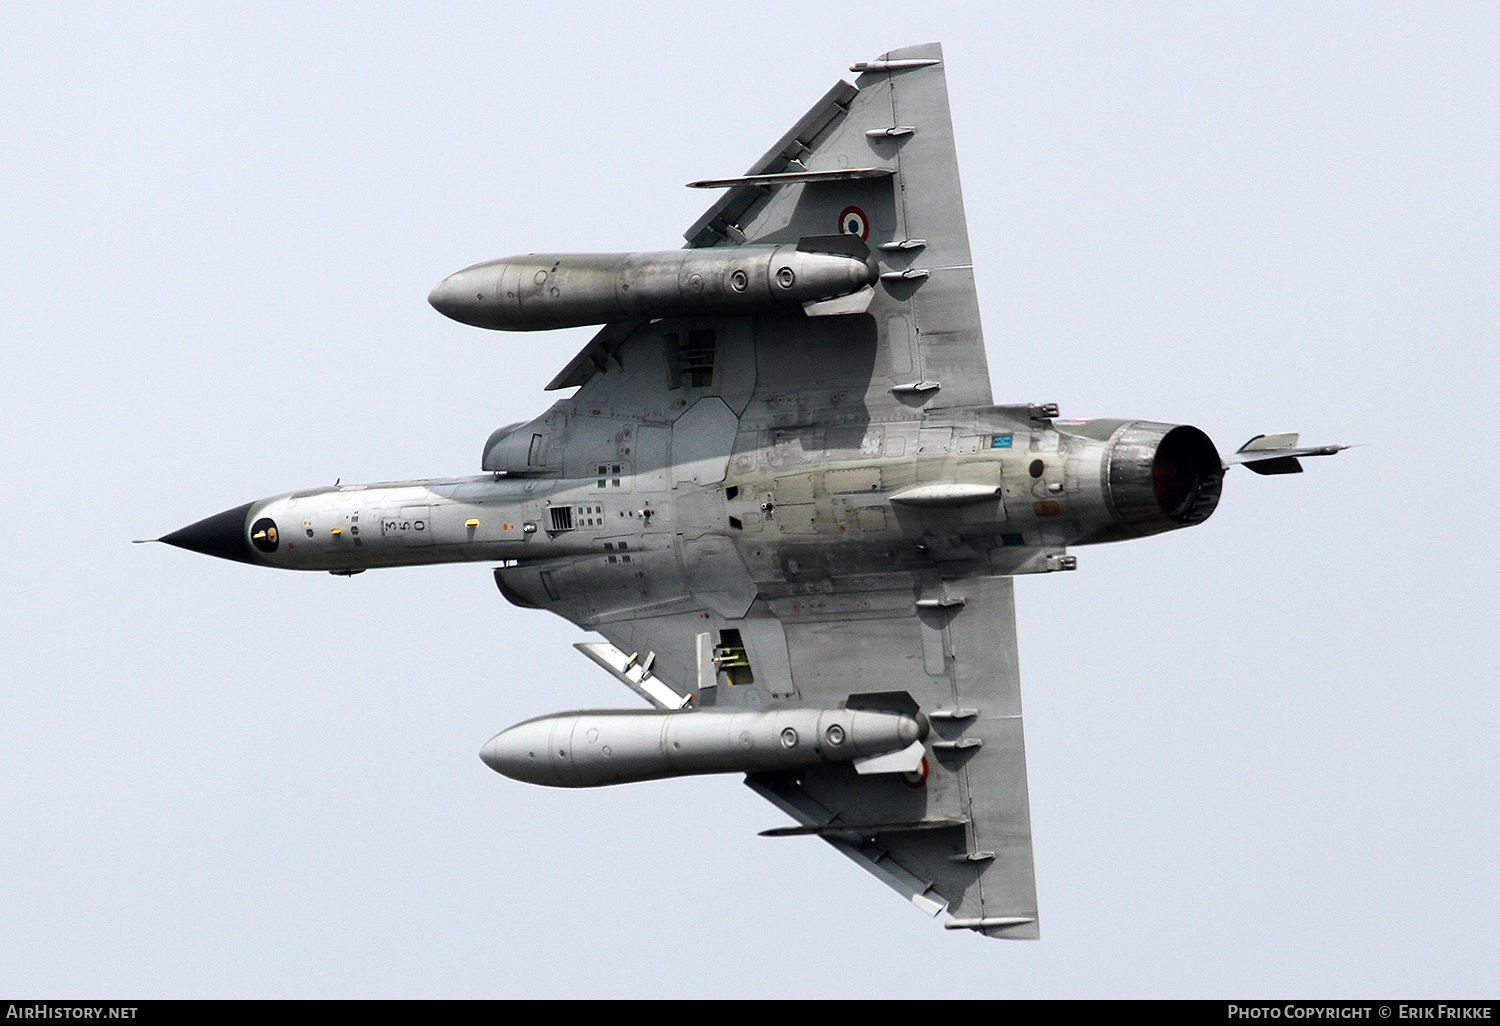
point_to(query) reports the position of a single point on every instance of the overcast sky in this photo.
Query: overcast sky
(1263, 752)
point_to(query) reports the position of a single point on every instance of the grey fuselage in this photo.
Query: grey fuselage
(648, 508)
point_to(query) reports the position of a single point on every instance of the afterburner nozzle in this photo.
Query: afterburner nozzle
(1161, 476)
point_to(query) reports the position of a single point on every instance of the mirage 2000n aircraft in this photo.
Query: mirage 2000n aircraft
(783, 495)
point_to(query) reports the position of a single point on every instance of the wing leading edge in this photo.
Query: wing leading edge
(877, 159)
(957, 834)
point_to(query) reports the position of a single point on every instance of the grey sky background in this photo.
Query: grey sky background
(1262, 752)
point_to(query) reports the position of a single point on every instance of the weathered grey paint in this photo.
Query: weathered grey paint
(766, 511)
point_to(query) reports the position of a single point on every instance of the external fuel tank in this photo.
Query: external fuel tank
(831, 274)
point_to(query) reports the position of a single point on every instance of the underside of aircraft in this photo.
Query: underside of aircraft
(783, 495)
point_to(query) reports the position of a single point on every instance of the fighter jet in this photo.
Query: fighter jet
(784, 497)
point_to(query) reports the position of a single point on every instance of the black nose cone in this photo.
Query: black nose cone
(222, 535)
